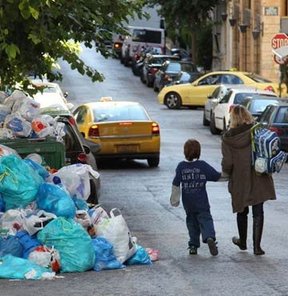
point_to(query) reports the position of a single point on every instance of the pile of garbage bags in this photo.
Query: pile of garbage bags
(20, 116)
(47, 227)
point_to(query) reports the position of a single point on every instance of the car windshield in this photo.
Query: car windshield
(282, 115)
(260, 105)
(119, 113)
(188, 68)
(257, 78)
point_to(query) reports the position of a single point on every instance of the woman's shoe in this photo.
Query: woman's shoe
(236, 241)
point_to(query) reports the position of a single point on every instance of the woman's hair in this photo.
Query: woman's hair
(239, 115)
(192, 149)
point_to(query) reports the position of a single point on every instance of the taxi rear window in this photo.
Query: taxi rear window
(119, 113)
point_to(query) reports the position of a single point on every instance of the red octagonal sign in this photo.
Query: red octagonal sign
(279, 40)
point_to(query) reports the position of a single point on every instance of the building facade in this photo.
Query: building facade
(243, 32)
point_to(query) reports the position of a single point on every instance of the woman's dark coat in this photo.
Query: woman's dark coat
(245, 187)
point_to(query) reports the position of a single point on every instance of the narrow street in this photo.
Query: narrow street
(142, 195)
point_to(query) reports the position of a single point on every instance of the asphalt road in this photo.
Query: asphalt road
(142, 194)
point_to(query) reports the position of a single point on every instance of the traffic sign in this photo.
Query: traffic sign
(279, 40)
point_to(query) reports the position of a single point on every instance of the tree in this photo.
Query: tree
(34, 34)
(186, 18)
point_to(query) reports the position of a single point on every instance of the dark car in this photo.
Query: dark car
(170, 71)
(257, 104)
(275, 118)
(151, 65)
(80, 150)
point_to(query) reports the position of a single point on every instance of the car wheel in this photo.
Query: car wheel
(213, 129)
(148, 83)
(205, 121)
(153, 162)
(173, 100)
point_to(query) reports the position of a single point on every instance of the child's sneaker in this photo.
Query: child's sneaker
(192, 250)
(212, 246)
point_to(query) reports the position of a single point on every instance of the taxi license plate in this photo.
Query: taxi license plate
(127, 148)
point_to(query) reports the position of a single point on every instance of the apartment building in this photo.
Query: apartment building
(243, 32)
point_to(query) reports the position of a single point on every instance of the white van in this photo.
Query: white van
(142, 38)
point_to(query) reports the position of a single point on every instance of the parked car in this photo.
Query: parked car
(257, 104)
(151, 65)
(51, 95)
(77, 148)
(123, 129)
(213, 100)
(181, 53)
(196, 93)
(275, 118)
(220, 116)
(170, 71)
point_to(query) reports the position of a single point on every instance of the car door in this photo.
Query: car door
(197, 92)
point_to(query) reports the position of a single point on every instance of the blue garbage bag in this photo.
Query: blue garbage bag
(140, 257)
(10, 245)
(18, 268)
(27, 242)
(104, 257)
(38, 168)
(19, 183)
(52, 198)
(72, 242)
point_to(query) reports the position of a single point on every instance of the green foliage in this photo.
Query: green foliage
(34, 34)
(186, 19)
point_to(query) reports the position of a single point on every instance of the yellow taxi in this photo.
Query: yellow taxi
(123, 129)
(196, 92)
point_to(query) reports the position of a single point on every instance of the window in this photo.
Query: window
(210, 80)
(119, 113)
(147, 36)
(80, 114)
(282, 115)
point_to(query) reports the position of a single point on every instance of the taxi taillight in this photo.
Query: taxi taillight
(93, 131)
(155, 129)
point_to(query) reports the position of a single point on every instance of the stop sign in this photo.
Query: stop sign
(279, 40)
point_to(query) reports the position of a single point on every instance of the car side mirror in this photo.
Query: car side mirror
(65, 94)
(210, 97)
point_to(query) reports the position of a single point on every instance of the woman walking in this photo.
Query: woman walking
(245, 186)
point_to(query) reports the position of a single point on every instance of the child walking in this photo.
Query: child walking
(192, 174)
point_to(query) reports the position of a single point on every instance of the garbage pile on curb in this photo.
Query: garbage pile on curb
(20, 116)
(45, 220)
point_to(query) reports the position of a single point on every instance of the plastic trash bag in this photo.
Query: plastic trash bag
(36, 221)
(116, 231)
(104, 257)
(46, 257)
(26, 107)
(5, 150)
(10, 245)
(37, 168)
(12, 221)
(75, 178)
(80, 204)
(19, 183)
(17, 95)
(28, 242)
(96, 214)
(52, 198)
(2, 204)
(43, 126)
(19, 126)
(12, 267)
(140, 257)
(6, 133)
(72, 242)
(4, 111)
